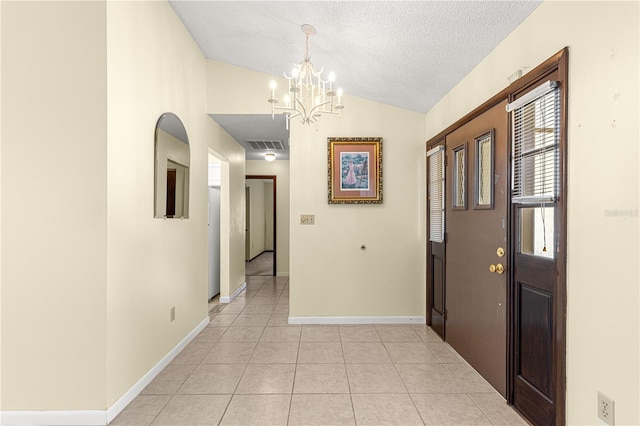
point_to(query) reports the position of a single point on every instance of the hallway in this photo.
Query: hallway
(249, 367)
(260, 265)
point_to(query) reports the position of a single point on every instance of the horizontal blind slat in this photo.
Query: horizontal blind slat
(535, 149)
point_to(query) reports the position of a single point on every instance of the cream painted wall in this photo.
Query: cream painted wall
(280, 169)
(242, 91)
(54, 212)
(603, 327)
(257, 217)
(153, 264)
(330, 275)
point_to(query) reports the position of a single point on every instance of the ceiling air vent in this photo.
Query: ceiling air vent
(260, 145)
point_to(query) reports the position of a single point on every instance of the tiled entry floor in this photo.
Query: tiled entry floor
(249, 367)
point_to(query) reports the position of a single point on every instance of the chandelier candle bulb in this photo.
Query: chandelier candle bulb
(272, 99)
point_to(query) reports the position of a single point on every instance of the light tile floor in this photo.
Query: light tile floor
(249, 367)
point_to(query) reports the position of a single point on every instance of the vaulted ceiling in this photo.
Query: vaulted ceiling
(403, 53)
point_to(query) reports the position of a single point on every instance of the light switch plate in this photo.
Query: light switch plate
(307, 219)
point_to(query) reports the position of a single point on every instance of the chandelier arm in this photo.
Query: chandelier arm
(298, 103)
(294, 109)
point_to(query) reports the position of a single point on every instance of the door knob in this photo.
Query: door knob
(492, 268)
(500, 269)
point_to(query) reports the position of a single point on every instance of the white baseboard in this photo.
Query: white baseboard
(234, 295)
(54, 417)
(282, 274)
(135, 390)
(357, 320)
(97, 417)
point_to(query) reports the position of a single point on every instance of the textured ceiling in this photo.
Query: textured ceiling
(403, 53)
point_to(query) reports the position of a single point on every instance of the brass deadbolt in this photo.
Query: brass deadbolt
(500, 252)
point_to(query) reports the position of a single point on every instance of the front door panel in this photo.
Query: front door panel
(476, 225)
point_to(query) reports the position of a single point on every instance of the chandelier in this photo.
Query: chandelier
(309, 96)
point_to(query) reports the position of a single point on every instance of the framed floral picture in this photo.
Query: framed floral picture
(355, 170)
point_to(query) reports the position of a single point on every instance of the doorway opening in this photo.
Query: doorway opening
(215, 184)
(261, 247)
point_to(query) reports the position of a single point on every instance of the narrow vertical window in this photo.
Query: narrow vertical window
(436, 194)
(536, 168)
(484, 171)
(460, 177)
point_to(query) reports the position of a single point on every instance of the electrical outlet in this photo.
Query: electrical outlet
(605, 409)
(307, 219)
(172, 314)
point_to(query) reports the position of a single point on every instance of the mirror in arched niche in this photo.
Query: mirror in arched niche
(172, 159)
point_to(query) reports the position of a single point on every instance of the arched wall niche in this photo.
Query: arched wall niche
(172, 161)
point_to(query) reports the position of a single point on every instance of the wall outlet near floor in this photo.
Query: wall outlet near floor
(605, 409)
(172, 314)
(307, 219)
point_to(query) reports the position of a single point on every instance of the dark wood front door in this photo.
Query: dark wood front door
(476, 243)
(538, 238)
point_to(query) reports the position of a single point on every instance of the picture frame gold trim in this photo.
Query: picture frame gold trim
(354, 167)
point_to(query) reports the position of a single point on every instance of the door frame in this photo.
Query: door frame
(275, 229)
(558, 62)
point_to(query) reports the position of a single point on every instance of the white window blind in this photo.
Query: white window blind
(436, 194)
(535, 163)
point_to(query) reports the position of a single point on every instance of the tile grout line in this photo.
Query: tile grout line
(400, 377)
(346, 373)
(241, 376)
(295, 373)
(159, 411)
